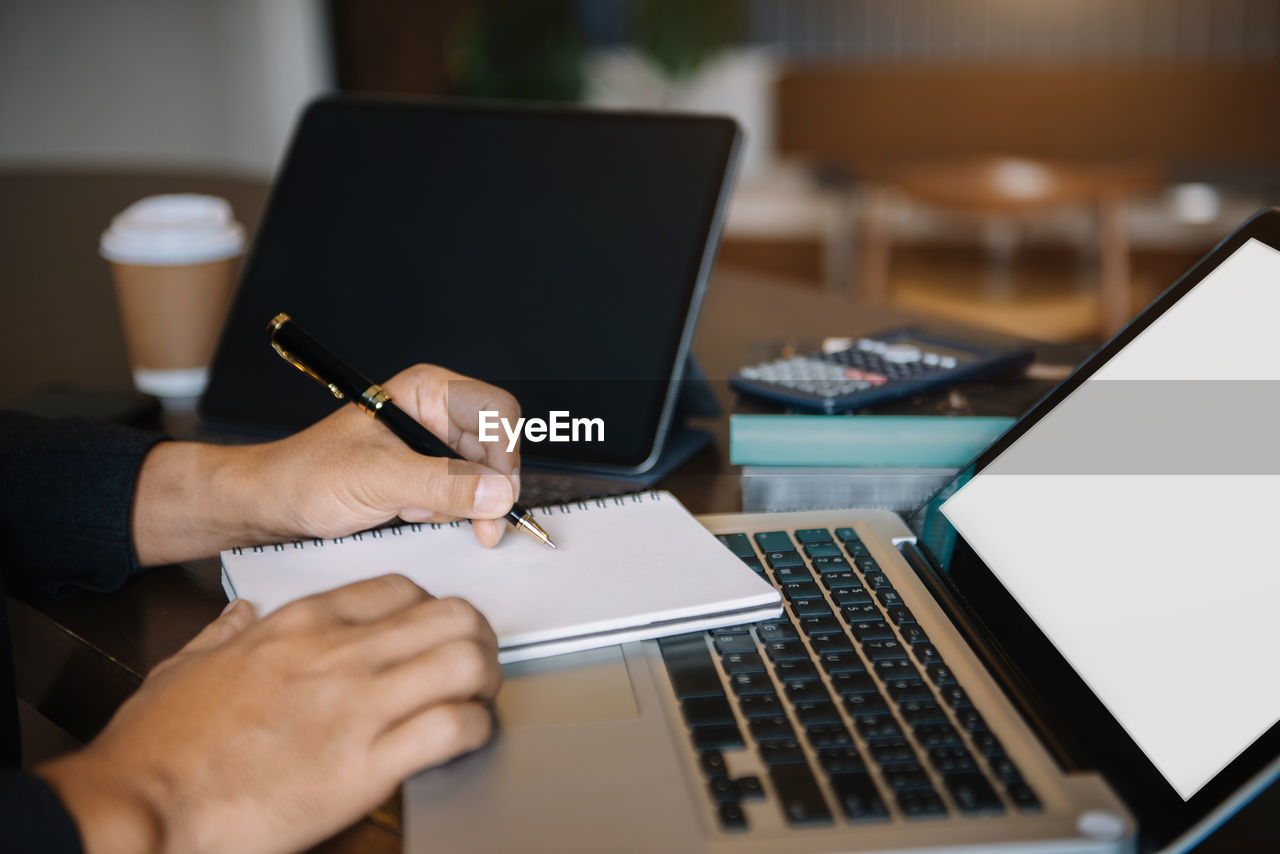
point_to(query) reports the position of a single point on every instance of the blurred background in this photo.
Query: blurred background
(1042, 168)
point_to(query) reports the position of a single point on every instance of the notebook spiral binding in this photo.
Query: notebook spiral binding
(418, 527)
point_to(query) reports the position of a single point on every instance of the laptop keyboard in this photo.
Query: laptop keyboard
(849, 708)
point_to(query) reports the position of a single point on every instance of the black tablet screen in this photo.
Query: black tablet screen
(555, 253)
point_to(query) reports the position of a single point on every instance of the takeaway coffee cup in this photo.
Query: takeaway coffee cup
(173, 259)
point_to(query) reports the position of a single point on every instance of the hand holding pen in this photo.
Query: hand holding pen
(308, 355)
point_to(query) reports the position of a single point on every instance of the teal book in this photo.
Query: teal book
(881, 441)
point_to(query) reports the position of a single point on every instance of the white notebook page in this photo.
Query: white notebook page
(622, 563)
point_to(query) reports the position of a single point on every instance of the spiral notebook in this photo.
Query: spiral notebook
(627, 568)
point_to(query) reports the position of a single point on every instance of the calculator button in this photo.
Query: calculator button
(900, 354)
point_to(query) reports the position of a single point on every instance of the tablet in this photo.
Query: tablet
(559, 253)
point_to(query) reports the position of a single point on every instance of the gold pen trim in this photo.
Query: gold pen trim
(373, 399)
(526, 522)
(272, 328)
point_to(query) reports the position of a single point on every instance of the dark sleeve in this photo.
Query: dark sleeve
(32, 818)
(66, 490)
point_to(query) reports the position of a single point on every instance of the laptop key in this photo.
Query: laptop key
(826, 565)
(761, 705)
(895, 668)
(883, 650)
(784, 752)
(878, 728)
(889, 598)
(955, 697)
(807, 692)
(813, 535)
(841, 760)
(717, 738)
(844, 580)
(689, 664)
(919, 713)
(713, 764)
(914, 635)
(919, 804)
(973, 794)
(739, 544)
(859, 799)
(732, 818)
(831, 644)
(926, 653)
(971, 720)
(828, 735)
(810, 606)
(750, 788)
(754, 563)
(1006, 772)
(800, 589)
(726, 644)
(952, 760)
(841, 662)
(907, 779)
(774, 541)
(788, 650)
(742, 662)
(707, 711)
(846, 535)
(723, 790)
(783, 560)
(1023, 798)
(745, 684)
(909, 690)
(901, 615)
(854, 683)
(988, 745)
(877, 581)
(819, 626)
(776, 630)
(937, 735)
(792, 574)
(823, 550)
(939, 674)
(798, 795)
(889, 754)
(871, 630)
(796, 671)
(772, 729)
(818, 712)
(866, 705)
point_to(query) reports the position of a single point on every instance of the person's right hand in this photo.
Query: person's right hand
(270, 735)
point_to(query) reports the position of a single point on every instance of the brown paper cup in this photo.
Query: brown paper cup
(171, 317)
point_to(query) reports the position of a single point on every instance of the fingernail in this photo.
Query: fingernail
(230, 605)
(493, 496)
(515, 484)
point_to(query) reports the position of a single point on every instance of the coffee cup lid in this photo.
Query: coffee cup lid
(173, 229)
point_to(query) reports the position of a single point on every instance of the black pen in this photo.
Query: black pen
(312, 358)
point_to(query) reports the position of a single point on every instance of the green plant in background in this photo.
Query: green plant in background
(681, 35)
(530, 49)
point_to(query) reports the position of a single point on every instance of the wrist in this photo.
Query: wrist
(111, 812)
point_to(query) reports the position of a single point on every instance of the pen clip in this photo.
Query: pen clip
(278, 321)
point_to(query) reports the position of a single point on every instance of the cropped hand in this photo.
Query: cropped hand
(343, 474)
(270, 735)
(348, 472)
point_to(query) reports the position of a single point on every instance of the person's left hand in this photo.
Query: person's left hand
(343, 474)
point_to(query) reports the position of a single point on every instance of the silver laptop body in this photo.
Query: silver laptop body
(597, 751)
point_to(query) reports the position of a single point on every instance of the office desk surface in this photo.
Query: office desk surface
(78, 660)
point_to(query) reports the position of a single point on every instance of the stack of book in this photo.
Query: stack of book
(826, 462)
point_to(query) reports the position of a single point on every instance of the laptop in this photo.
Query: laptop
(1069, 648)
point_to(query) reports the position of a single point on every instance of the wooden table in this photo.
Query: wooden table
(78, 660)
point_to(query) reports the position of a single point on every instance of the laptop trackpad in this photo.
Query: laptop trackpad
(579, 687)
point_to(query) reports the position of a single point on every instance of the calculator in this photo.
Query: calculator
(850, 373)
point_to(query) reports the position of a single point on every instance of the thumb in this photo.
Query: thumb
(454, 488)
(235, 618)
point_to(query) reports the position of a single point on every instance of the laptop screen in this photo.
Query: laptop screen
(1121, 526)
